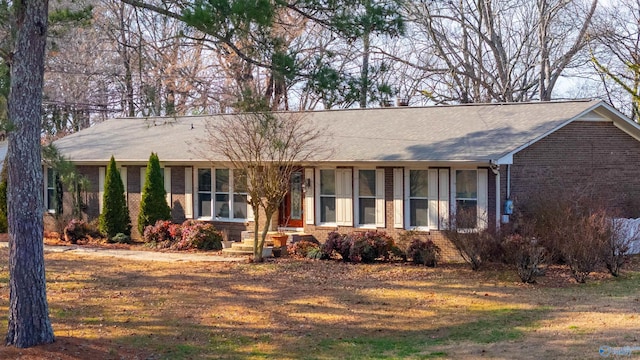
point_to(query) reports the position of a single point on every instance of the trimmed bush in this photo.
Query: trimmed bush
(76, 230)
(615, 252)
(114, 218)
(370, 246)
(526, 255)
(121, 238)
(158, 234)
(302, 248)
(338, 244)
(198, 235)
(153, 205)
(423, 252)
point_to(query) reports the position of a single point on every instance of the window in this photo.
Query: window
(327, 196)
(466, 199)
(54, 192)
(418, 198)
(223, 196)
(204, 192)
(367, 197)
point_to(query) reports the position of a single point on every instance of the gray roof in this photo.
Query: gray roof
(476, 133)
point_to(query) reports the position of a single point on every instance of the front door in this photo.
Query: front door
(291, 212)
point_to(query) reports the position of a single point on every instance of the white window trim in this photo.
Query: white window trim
(482, 202)
(407, 200)
(101, 177)
(213, 198)
(318, 202)
(46, 190)
(378, 198)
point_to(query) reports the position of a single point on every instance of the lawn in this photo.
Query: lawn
(104, 308)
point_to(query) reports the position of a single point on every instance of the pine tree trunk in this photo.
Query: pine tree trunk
(29, 322)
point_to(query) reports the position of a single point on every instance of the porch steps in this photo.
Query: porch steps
(245, 247)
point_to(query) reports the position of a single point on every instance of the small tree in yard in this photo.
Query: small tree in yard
(615, 251)
(267, 147)
(114, 218)
(153, 206)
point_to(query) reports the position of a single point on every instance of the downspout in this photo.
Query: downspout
(508, 181)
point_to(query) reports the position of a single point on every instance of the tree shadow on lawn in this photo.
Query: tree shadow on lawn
(292, 309)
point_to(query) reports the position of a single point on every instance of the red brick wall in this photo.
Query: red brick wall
(583, 156)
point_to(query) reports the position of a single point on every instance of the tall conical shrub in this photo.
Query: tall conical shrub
(114, 218)
(153, 206)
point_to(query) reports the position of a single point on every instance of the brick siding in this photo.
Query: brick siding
(583, 156)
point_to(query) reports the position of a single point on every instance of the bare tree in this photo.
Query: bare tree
(505, 51)
(616, 54)
(267, 147)
(29, 322)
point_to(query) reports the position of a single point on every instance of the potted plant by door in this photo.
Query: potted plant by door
(280, 239)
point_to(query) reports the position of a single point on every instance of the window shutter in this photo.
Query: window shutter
(123, 177)
(101, 173)
(188, 192)
(309, 197)
(249, 207)
(433, 198)
(380, 208)
(167, 185)
(443, 198)
(344, 197)
(398, 221)
(483, 195)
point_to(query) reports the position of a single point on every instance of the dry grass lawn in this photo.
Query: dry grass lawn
(108, 308)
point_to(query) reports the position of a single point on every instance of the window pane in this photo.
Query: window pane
(327, 182)
(367, 211)
(466, 214)
(51, 199)
(367, 183)
(239, 181)
(239, 206)
(222, 180)
(419, 212)
(222, 205)
(296, 196)
(50, 178)
(466, 184)
(204, 180)
(327, 209)
(204, 204)
(418, 183)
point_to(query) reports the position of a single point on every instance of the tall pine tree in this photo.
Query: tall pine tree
(114, 218)
(153, 206)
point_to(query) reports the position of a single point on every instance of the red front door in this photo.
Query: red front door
(291, 212)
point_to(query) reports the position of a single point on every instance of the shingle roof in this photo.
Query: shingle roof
(438, 133)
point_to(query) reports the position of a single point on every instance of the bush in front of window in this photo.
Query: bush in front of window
(526, 254)
(186, 236)
(337, 243)
(158, 235)
(153, 205)
(77, 230)
(303, 248)
(371, 245)
(423, 252)
(198, 235)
